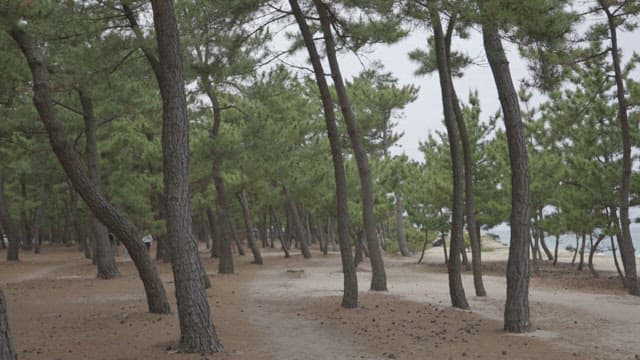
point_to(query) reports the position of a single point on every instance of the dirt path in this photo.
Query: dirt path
(58, 310)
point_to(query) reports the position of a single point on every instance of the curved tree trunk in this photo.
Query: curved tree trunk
(7, 352)
(350, 295)
(591, 253)
(73, 167)
(8, 225)
(105, 259)
(456, 288)
(555, 251)
(248, 223)
(627, 252)
(516, 313)
(197, 332)
(378, 274)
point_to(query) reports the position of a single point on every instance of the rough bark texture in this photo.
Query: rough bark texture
(7, 352)
(248, 223)
(627, 252)
(516, 312)
(8, 225)
(456, 288)
(105, 259)
(73, 167)
(378, 274)
(402, 237)
(197, 332)
(350, 295)
(215, 233)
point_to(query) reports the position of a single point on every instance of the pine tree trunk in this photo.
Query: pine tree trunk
(298, 227)
(104, 255)
(73, 167)
(7, 352)
(627, 252)
(37, 216)
(350, 295)
(555, 252)
(591, 253)
(584, 240)
(402, 238)
(378, 274)
(197, 332)
(248, 223)
(516, 313)
(8, 225)
(456, 288)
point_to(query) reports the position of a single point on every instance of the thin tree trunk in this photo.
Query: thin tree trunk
(456, 288)
(516, 313)
(424, 245)
(402, 238)
(24, 217)
(197, 332)
(120, 226)
(8, 224)
(555, 252)
(7, 351)
(591, 253)
(615, 260)
(444, 248)
(378, 274)
(234, 236)
(584, 240)
(575, 252)
(42, 198)
(350, 280)
(297, 224)
(104, 255)
(627, 252)
(248, 222)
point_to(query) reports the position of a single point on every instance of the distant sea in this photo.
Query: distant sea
(569, 239)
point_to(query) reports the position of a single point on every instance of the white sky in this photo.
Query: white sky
(425, 114)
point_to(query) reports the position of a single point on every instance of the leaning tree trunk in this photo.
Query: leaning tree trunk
(248, 223)
(214, 227)
(73, 167)
(104, 255)
(378, 274)
(350, 280)
(516, 312)
(197, 332)
(627, 252)
(7, 352)
(591, 253)
(456, 288)
(7, 224)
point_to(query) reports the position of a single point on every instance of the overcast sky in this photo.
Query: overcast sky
(425, 114)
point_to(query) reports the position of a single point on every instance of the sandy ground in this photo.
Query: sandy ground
(289, 309)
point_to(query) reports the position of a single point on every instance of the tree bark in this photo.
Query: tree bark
(516, 313)
(627, 252)
(248, 223)
(7, 352)
(104, 255)
(584, 240)
(378, 274)
(73, 167)
(197, 331)
(8, 225)
(555, 251)
(591, 253)
(350, 281)
(456, 288)
(215, 233)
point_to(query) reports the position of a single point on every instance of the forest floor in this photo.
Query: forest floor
(290, 309)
